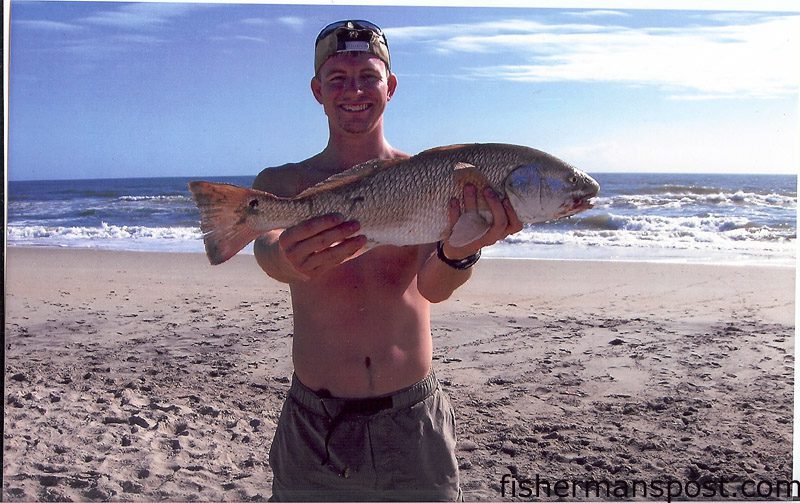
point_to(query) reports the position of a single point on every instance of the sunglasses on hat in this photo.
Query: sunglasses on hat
(351, 25)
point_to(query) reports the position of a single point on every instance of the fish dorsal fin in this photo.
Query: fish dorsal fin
(445, 148)
(350, 175)
(470, 226)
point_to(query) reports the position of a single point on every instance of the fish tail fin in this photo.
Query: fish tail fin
(224, 212)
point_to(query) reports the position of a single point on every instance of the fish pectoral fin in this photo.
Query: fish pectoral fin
(465, 173)
(469, 227)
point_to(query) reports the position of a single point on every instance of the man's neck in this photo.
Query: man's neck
(344, 152)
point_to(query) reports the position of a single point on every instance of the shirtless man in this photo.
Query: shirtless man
(365, 417)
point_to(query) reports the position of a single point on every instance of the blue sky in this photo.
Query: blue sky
(157, 89)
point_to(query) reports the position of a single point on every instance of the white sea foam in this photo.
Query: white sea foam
(637, 216)
(665, 200)
(26, 234)
(636, 246)
(155, 198)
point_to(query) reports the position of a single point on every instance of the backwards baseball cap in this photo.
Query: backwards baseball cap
(350, 36)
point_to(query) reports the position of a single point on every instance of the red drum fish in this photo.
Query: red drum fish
(402, 201)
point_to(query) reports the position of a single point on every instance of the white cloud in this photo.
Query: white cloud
(248, 38)
(445, 31)
(141, 15)
(131, 27)
(293, 22)
(45, 25)
(688, 147)
(256, 21)
(598, 13)
(753, 59)
(132, 38)
(296, 23)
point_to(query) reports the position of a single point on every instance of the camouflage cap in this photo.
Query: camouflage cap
(350, 36)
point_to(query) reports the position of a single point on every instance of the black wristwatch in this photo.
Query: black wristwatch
(464, 263)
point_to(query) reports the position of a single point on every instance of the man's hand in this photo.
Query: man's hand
(504, 221)
(320, 244)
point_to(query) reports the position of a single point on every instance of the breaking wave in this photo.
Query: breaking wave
(26, 234)
(640, 214)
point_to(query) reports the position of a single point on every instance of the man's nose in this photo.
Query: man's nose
(354, 85)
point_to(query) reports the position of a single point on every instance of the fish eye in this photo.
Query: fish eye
(573, 179)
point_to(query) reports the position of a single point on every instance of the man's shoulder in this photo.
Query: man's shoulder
(398, 154)
(287, 169)
(284, 180)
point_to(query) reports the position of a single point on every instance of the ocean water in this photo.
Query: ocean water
(709, 218)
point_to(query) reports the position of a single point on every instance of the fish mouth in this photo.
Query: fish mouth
(582, 199)
(578, 204)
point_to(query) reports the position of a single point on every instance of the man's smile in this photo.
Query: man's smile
(355, 108)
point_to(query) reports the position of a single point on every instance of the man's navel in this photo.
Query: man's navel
(368, 365)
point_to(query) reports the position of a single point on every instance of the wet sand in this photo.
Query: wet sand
(143, 376)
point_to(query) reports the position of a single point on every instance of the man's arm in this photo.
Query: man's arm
(307, 249)
(272, 261)
(436, 280)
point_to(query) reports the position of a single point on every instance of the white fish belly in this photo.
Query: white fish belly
(418, 230)
(403, 214)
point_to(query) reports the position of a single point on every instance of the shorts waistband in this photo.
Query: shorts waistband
(333, 407)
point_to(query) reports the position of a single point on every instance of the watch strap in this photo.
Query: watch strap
(464, 263)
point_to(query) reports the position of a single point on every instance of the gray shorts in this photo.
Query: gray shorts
(396, 447)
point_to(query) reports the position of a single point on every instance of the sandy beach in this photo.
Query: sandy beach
(145, 376)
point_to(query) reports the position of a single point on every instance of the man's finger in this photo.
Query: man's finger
(470, 198)
(324, 239)
(332, 256)
(308, 228)
(514, 223)
(499, 217)
(453, 211)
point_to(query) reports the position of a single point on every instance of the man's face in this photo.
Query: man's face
(353, 89)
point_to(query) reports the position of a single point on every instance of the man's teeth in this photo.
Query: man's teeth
(355, 108)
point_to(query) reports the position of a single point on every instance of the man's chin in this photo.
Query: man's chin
(356, 127)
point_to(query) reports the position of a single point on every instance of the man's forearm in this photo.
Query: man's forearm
(272, 261)
(437, 281)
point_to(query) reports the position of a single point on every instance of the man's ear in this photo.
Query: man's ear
(391, 83)
(316, 89)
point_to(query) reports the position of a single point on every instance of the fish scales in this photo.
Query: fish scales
(402, 201)
(407, 204)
